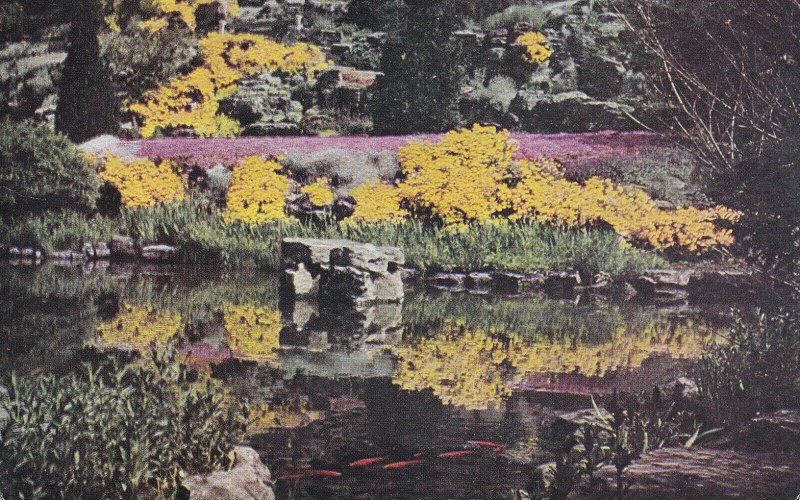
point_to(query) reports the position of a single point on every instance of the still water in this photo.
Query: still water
(402, 382)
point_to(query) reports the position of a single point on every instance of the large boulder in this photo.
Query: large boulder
(572, 111)
(341, 271)
(249, 479)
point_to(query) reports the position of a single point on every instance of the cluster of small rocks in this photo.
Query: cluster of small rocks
(120, 248)
(665, 286)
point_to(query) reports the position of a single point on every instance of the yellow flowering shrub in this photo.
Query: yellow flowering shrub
(377, 201)
(142, 182)
(137, 328)
(253, 332)
(257, 191)
(471, 175)
(319, 192)
(186, 9)
(193, 100)
(535, 43)
(460, 179)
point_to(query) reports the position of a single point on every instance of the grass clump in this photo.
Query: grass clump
(56, 231)
(204, 235)
(115, 432)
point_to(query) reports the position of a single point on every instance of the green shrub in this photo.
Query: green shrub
(115, 432)
(755, 369)
(532, 14)
(61, 231)
(766, 189)
(42, 171)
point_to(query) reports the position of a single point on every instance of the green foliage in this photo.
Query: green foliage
(756, 369)
(203, 235)
(140, 61)
(28, 72)
(42, 171)
(116, 432)
(766, 189)
(87, 106)
(56, 231)
(423, 71)
(532, 14)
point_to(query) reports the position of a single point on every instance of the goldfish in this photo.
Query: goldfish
(365, 462)
(487, 444)
(400, 465)
(455, 454)
(417, 455)
(326, 473)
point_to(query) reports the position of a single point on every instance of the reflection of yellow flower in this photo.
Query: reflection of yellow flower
(254, 332)
(292, 415)
(536, 47)
(474, 370)
(463, 369)
(137, 328)
(319, 192)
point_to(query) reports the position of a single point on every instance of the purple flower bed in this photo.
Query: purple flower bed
(576, 151)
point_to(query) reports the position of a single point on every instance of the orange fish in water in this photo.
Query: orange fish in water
(400, 465)
(487, 444)
(365, 462)
(417, 455)
(326, 473)
(289, 477)
(455, 454)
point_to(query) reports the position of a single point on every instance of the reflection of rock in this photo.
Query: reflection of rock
(315, 328)
(159, 253)
(341, 271)
(249, 479)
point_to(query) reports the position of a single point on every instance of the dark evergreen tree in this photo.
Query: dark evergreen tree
(86, 102)
(423, 71)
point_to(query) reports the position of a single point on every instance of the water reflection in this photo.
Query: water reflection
(391, 381)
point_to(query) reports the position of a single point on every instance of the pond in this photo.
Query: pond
(403, 383)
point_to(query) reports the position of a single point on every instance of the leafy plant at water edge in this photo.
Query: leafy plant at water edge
(756, 369)
(42, 171)
(115, 431)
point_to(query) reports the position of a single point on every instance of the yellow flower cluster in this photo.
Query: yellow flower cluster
(292, 415)
(541, 193)
(257, 191)
(536, 47)
(460, 179)
(319, 192)
(471, 176)
(253, 332)
(137, 328)
(193, 100)
(377, 201)
(473, 369)
(143, 183)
